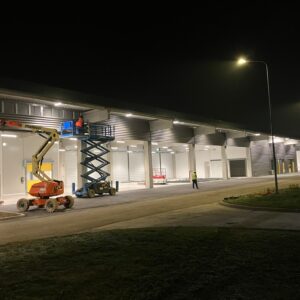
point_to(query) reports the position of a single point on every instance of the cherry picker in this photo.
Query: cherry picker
(47, 187)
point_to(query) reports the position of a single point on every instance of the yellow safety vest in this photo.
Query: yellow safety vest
(194, 176)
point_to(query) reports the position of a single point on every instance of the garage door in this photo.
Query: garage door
(237, 168)
(216, 169)
(70, 169)
(120, 166)
(136, 166)
(167, 163)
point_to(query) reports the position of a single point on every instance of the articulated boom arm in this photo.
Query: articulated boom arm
(37, 158)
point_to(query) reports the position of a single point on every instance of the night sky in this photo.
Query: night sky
(182, 62)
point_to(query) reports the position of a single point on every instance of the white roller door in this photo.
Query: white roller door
(167, 163)
(136, 166)
(216, 170)
(155, 161)
(182, 165)
(120, 166)
(12, 166)
(70, 163)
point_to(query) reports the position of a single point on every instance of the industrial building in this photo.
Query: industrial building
(146, 143)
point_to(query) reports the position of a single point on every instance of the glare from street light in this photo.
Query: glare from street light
(241, 61)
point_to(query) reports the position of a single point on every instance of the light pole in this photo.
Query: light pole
(242, 61)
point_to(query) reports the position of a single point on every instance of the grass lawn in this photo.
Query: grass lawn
(169, 263)
(286, 198)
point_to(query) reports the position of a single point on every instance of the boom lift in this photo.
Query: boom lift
(47, 187)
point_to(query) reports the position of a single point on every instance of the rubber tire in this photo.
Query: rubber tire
(69, 202)
(112, 191)
(51, 205)
(91, 193)
(22, 205)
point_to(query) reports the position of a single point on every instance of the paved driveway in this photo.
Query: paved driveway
(171, 206)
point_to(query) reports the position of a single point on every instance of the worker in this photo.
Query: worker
(194, 179)
(79, 125)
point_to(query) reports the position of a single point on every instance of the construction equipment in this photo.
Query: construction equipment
(93, 136)
(47, 187)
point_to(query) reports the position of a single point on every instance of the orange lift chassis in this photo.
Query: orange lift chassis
(47, 187)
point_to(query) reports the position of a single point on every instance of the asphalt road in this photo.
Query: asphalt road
(170, 206)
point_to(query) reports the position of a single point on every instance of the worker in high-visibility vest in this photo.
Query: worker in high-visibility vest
(194, 180)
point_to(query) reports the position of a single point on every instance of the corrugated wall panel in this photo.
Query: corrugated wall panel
(34, 120)
(129, 128)
(178, 134)
(217, 139)
(238, 142)
(260, 157)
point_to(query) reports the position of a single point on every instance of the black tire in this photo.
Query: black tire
(112, 191)
(91, 193)
(69, 202)
(22, 205)
(51, 205)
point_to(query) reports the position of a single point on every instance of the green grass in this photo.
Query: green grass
(170, 263)
(286, 198)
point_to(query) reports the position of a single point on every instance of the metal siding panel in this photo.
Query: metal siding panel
(260, 158)
(279, 150)
(23, 109)
(238, 142)
(129, 128)
(217, 139)
(47, 112)
(36, 110)
(9, 107)
(174, 135)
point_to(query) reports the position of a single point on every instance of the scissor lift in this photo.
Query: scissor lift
(93, 137)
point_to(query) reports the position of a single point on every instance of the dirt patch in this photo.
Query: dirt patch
(8, 215)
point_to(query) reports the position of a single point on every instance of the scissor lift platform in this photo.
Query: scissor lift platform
(93, 136)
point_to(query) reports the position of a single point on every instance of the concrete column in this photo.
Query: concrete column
(81, 169)
(1, 166)
(248, 162)
(174, 165)
(224, 162)
(148, 165)
(192, 160)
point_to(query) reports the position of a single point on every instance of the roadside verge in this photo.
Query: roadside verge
(248, 207)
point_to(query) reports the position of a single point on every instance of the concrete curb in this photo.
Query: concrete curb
(16, 215)
(224, 203)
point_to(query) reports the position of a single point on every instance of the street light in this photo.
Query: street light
(241, 61)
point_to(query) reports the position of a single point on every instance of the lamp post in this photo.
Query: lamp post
(242, 61)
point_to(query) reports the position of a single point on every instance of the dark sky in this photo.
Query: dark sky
(183, 62)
